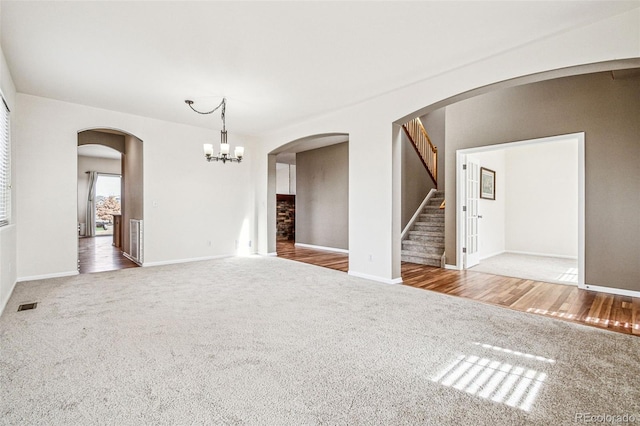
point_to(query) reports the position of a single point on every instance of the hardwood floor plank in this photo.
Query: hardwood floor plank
(565, 302)
(97, 254)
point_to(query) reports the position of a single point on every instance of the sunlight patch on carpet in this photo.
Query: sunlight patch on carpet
(501, 382)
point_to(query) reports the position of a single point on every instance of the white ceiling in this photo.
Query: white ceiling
(276, 62)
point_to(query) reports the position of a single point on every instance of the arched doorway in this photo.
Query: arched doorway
(309, 195)
(110, 200)
(546, 105)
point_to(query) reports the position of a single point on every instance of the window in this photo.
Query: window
(5, 165)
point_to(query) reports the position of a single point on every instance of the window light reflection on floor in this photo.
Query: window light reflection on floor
(513, 385)
(551, 313)
(569, 276)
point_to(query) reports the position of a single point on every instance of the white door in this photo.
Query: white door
(472, 196)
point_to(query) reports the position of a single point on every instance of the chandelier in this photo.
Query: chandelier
(223, 154)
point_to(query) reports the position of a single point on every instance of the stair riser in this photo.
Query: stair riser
(429, 228)
(431, 218)
(421, 261)
(427, 239)
(423, 249)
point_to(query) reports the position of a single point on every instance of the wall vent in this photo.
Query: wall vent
(136, 238)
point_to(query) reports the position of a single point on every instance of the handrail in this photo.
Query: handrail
(427, 152)
(416, 215)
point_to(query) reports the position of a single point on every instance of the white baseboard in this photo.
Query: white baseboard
(610, 290)
(4, 303)
(374, 278)
(452, 267)
(193, 259)
(493, 254)
(561, 256)
(270, 254)
(309, 246)
(47, 276)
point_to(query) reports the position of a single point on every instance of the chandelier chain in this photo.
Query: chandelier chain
(222, 104)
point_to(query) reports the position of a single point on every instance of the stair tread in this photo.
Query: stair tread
(422, 255)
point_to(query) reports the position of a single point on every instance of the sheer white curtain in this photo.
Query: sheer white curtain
(91, 205)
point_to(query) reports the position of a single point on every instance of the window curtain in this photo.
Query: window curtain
(91, 205)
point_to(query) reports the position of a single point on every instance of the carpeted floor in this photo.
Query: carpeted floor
(270, 341)
(538, 268)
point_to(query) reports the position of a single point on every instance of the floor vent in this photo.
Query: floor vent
(27, 306)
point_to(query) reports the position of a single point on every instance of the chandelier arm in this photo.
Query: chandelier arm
(222, 104)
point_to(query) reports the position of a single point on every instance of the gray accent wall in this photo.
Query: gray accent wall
(608, 111)
(95, 137)
(322, 196)
(132, 183)
(416, 182)
(434, 124)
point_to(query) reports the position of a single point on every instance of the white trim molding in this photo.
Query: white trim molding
(453, 267)
(47, 276)
(193, 259)
(6, 301)
(374, 278)
(128, 256)
(270, 254)
(310, 246)
(610, 290)
(559, 256)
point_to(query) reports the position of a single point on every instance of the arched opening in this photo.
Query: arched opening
(597, 99)
(308, 184)
(110, 202)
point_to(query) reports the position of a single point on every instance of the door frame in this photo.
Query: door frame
(461, 156)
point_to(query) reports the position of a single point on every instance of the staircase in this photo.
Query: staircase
(424, 243)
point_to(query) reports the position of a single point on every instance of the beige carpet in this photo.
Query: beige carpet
(271, 341)
(539, 268)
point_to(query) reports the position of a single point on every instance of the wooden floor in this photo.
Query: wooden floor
(97, 254)
(565, 302)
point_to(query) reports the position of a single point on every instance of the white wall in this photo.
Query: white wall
(536, 206)
(374, 226)
(193, 209)
(285, 178)
(542, 207)
(189, 202)
(85, 164)
(8, 234)
(491, 227)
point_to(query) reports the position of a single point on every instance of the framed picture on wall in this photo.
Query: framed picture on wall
(487, 184)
